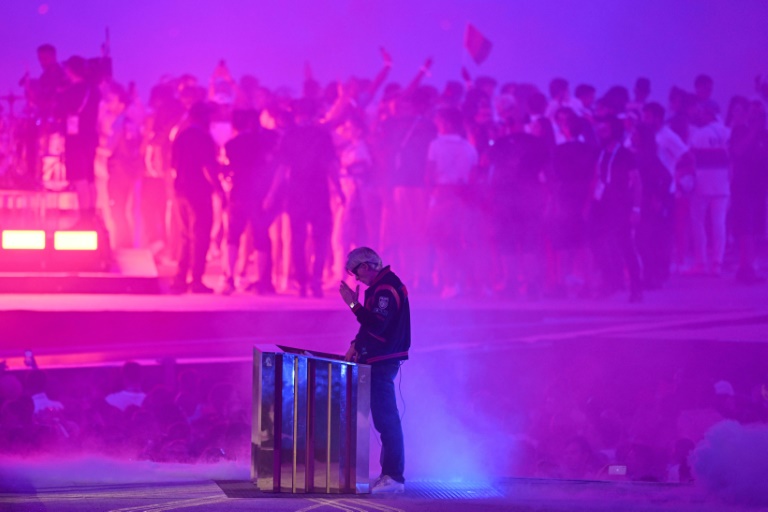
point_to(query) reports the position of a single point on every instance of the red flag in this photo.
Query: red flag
(478, 46)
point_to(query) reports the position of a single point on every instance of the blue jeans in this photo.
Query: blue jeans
(386, 419)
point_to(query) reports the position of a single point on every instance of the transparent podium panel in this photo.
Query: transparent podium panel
(310, 422)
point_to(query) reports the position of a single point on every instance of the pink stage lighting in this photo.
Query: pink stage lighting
(75, 241)
(24, 239)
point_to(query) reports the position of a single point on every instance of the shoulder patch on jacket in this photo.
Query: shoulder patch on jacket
(387, 288)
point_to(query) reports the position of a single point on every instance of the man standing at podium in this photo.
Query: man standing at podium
(382, 342)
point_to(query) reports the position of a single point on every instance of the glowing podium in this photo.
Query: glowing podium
(310, 422)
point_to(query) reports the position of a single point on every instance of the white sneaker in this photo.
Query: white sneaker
(386, 485)
(229, 287)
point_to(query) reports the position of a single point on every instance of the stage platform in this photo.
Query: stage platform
(129, 271)
(84, 329)
(482, 375)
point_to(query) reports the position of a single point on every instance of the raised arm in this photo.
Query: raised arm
(380, 77)
(423, 71)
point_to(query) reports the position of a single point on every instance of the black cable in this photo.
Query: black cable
(400, 389)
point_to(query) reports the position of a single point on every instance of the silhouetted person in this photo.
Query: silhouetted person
(249, 154)
(51, 83)
(42, 95)
(194, 160)
(79, 105)
(573, 168)
(749, 186)
(616, 209)
(654, 237)
(307, 161)
(518, 198)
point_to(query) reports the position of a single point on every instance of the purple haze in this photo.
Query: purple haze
(599, 42)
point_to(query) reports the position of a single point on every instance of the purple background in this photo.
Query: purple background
(603, 42)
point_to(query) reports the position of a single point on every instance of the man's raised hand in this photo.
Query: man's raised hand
(350, 296)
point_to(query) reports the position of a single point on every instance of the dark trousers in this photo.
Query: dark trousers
(386, 419)
(654, 240)
(321, 240)
(196, 218)
(615, 251)
(31, 143)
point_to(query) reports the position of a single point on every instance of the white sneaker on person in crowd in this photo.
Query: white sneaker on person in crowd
(387, 485)
(229, 287)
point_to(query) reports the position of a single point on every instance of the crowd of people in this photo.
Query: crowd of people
(192, 413)
(182, 414)
(648, 434)
(478, 188)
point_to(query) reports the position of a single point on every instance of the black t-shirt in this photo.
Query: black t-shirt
(750, 162)
(518, 159)
(654, 176)
(614, 168)
(248, 155)
(193, 151)
(52, 82)
(81, 100)
(573, 169)
(308, 153)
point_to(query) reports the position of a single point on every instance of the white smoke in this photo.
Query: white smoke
(732, 462)
(17, 474)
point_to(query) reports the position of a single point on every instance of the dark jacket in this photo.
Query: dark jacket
(385, 321)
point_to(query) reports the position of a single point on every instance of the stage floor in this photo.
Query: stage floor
(169, 490)
(72, 329)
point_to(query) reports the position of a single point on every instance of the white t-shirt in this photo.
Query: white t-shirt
(670, 148)
(353, 154)
(43, 403)
(124, 399)
(454, 157)
(711, 180)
